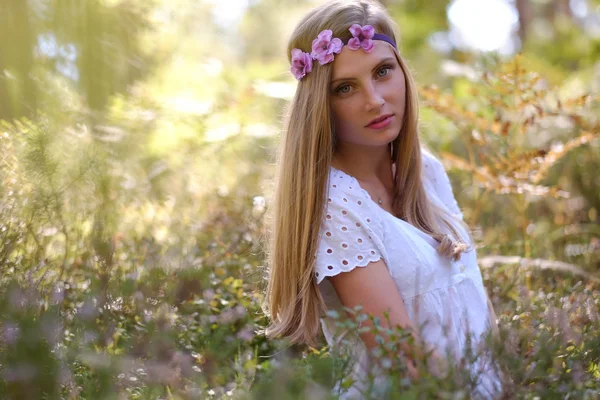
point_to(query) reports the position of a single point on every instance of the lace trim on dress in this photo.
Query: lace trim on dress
(351, 233)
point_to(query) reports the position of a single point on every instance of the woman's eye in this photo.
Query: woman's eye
(383, 71)
(344, 89)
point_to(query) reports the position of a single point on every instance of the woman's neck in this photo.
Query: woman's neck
(370, 168)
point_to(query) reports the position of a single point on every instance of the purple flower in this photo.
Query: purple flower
(362, 37)
(324, 46)
(301, 63)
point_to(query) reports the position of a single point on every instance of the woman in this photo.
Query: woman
(362, 214)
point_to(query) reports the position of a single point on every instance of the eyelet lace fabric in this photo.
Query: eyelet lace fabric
(446, 297)
(351, 233)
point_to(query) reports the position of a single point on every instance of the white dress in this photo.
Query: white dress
(436, 290)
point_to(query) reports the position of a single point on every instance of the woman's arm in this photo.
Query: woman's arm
(373, 288)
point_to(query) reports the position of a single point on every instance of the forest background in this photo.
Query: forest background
(137, 149)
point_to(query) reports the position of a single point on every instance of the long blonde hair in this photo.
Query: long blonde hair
(293, 300)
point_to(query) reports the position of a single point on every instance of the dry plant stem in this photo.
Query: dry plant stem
(523, 206)
(480, 202)
(474, 185)
(493, 319)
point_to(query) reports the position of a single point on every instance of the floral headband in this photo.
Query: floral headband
(325, 46)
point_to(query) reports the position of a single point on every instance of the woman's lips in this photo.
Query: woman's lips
(381, 124)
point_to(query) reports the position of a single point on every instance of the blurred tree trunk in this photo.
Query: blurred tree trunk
(560, 7)
(5, 106)
(525, 18)
(549, 11)
(17, 42)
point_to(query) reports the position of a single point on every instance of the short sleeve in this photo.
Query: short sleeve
(351, 233)
(437, 179)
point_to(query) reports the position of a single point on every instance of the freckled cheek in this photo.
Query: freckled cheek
(396, 94)
(346, 118)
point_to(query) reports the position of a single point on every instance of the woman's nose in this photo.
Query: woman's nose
(374, 99)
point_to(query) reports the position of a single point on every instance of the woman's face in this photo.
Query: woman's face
(365, 87)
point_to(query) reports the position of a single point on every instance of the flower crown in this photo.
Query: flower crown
(325, 46)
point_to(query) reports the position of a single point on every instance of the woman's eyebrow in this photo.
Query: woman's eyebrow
(384, 60)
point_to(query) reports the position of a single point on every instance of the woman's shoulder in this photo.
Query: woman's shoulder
(342, 185)
(352, 233)
(345, 193)
(348, 203)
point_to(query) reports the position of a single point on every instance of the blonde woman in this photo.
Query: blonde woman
(362, 214)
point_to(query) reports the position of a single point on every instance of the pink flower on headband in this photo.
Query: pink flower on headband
(323, 47)
(362, 37)
(301, 63)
